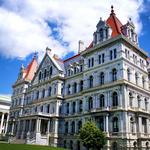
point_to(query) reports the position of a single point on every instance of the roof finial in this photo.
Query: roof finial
(35, 55)
(112, 9)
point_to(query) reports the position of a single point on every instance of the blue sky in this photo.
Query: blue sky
(26, 27)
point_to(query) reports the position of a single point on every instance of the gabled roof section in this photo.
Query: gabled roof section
(31, 69)
(114, 23)
(55, 60)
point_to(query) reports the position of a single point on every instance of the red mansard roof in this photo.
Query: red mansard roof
(31, 69)
(114, 23)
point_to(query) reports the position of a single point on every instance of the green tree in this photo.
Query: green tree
(91, 136)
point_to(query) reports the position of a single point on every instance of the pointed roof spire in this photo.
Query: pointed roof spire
(112, 10)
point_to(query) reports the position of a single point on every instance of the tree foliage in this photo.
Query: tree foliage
(91, 136)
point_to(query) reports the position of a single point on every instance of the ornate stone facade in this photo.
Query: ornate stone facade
(106, 83)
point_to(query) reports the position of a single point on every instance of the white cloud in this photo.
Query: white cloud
(24, 26)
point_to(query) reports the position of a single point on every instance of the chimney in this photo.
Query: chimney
(81, 46)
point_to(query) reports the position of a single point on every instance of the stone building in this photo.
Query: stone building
(106, 83)
(5, 102)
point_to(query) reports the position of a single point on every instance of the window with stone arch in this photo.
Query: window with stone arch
(66, 127)
(136, 78)
(129, 74)
(45, 73)
(91, 81)
(130, 99)
(69, 89)
(79, 125)
(81, 85)
(40, 75)
(114, 99)
(101, 34)
(75, 87)
(114, 146)
(51, 70)
(146, 104)
(139, 101)
(102, 101)
(90, 103)
(73, 127)
(147, 146)
(49, 91)
(101, 78)
(115, 124)
(80, 106)
(132, 124)
(43, 93)
(143, 81)
(114, 74)
(73, 107)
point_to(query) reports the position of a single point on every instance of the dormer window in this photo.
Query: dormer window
(40, 76)
(101, 34)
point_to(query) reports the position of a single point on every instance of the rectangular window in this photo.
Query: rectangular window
(103, 58)
(99, 59)
(115, 53)
(111, 55)
(89, 63)
(92, 62)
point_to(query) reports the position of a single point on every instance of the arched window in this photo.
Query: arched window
(51, 70)
(147, 145)
(90, 81)
(139, 101)
(81, 85)
(43, 93)
(75, 87)
(37, 95)
(102, 101)
(135, 145)
(114, 74)
(80, 106)
(42, 108)
(114, 99)
(49, 91)
(115, 146)
(66, 127)
(67, 108)
(130, 99)
(92, 62)
(115, 124)
(146, 103)
(132, 124)
(79, 125)
(69, 89)
(101, 78)
(73, 107)
(40, 76)
(45, 73)
(73, 127)
(136, 78)
(90, 103)
(101, 123)
(143, 82)
(128, 74)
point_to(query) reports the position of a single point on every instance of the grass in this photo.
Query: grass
(4, 146)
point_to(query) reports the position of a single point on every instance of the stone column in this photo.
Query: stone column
(140, 124)
(107, 123)
(2, 122)
(48, 126)
(23, 130)
(7, 123)
(38, 125)
(12, 129)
